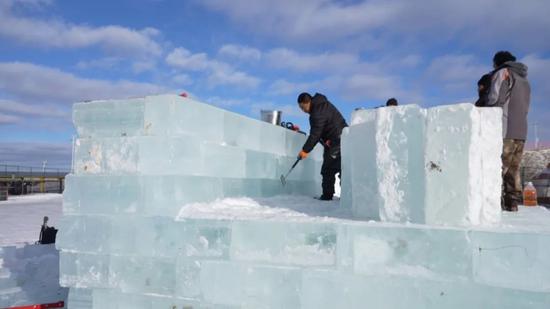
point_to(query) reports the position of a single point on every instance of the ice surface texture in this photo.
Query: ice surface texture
(435, 166)
(154, 154)
(208, 263)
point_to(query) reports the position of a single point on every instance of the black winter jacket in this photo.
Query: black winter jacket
(326, 123)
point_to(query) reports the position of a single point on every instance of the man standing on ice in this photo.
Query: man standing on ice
(326, 125)
(510, 90)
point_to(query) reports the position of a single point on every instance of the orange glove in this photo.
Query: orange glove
(302, 155)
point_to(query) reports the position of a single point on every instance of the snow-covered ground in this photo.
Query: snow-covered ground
(304, 208)
(284, 207)
(21, 217)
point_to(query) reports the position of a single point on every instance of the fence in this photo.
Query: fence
(27, 179)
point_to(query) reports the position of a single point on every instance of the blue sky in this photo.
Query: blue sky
(246, 55)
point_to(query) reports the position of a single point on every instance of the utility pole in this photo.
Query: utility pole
(536, 125)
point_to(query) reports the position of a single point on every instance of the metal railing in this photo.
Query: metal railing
(19, 179)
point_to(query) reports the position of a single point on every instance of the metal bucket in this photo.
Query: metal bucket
(273, 117)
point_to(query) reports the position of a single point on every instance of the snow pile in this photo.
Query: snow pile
(284, 207)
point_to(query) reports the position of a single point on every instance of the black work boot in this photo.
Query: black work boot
(325, 197)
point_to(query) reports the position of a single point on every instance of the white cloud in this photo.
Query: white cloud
(314, 19)
(230, 77)
(456, 73)
(490, 22)
(58, 34)
(240, 52)
(364, 87)
(34, 153)
(285, 87)
(538, 74)
(182, 79)
(219, 73)
(101, 63)
(325, 62)
(44, 110)
(183, 59)
(226, 102)
(144, 65)
(8, 119)
(30, 82)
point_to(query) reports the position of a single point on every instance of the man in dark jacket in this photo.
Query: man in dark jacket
(326, 124)
(510, 90)
(483, 88)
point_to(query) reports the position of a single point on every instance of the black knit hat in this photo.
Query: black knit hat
(503, 56)
(304, 97)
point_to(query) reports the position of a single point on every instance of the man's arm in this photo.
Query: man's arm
(317, 125)
(499, 83)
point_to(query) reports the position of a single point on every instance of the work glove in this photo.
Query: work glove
(302, 155)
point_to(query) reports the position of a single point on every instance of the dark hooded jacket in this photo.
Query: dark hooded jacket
(326, 123)
(510, 90)
(484, 86)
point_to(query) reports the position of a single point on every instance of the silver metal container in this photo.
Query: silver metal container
(273, 117)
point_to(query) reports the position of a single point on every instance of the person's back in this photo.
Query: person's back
(520, 97)
(324, 114)
(510, 90)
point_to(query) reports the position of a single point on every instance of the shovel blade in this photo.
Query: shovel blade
(283, 180)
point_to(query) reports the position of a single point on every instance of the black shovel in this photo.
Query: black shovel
(283, 177)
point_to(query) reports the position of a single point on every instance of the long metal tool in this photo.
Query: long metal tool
(283, 177)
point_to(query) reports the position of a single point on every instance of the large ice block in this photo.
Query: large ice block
(435, 166)
(284, 243)
(136, 274)
(462, 162)
(171, 115)
(109, 118)
(383, 152)
(82, 270)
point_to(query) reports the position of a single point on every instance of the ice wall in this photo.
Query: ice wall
(143, 159)
(209, 263)
(150, 156)
(136, 166)
(435, 166)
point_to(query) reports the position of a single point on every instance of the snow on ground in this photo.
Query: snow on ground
(305, 208)
(283, 207)
(21, 217)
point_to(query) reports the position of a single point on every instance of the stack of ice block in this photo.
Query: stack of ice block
(122, 248)
(139, 161)
(434, 166)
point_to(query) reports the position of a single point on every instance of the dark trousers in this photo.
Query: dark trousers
(511, 180)
(332, 165)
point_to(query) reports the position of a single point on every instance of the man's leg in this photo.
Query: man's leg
(511, 180)
(331, 166)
